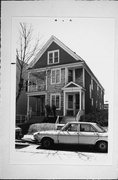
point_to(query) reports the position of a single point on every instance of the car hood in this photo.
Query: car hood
(103, 134)
(49, 132)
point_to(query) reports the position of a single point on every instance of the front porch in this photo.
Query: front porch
(74, 99)
(36, 105)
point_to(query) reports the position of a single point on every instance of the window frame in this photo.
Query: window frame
(55, 94)
(71, 126)
(53, 58)
(55, 76)
(90, 126)
(90, 92)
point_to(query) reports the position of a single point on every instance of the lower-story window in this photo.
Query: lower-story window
(56, 100)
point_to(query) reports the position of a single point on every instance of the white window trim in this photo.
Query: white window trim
(53, 56)
(59, 78)
(92, 101)
(91, 83)
(55, 94)
(90, 91)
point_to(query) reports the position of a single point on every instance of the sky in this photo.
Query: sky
(91, 38)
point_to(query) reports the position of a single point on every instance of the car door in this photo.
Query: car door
(87, 134)
(69, 135)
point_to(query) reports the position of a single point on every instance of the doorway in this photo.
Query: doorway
(73, 104)
(40, 107)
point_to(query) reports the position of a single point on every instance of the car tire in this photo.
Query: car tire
(46, 143)
(102, 146)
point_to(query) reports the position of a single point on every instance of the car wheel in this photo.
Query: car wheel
(46, 143)
(102, 146)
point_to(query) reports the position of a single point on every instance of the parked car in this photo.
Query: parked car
(85, 133)
(18, 133)
(59, 126)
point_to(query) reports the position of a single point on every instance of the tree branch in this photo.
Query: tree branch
(24, 53)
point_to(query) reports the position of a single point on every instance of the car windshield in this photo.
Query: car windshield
(99, 128)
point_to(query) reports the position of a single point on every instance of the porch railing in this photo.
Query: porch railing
(79, 114)
(36, 88)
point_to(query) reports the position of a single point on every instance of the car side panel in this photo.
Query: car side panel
(53, 137)
(67, 137)
(88, 137)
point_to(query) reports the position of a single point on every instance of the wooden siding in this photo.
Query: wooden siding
(97, 95)
(64, 57)
(56, 88)
(87, 93)
(94, 95)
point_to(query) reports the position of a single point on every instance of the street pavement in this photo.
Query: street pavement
(34, 153)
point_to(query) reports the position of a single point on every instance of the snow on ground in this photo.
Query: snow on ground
(33, 154)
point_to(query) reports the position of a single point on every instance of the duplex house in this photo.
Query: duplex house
(58, 76)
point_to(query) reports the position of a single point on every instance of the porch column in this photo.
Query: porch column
(80, 100)
(28, 87)
(64, 103)
(83, 77)
(83, 100)
(28, 105)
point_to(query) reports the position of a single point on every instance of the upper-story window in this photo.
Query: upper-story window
(91, 88)
(70, 75)
(53, 57)
(92, 84)
(55, 76)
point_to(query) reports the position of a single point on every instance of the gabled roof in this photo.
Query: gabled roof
(72, 85)
(58, 42)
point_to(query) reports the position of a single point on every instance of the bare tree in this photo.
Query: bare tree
(24, 54)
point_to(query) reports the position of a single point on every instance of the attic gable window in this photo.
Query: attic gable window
(53, 57)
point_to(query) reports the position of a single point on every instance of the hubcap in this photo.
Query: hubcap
(46, 143)
(102, 146)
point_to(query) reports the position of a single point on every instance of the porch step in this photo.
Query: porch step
(67, 119)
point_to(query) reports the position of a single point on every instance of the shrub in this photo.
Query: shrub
(100, 117)
(48, 110)
(41, 127)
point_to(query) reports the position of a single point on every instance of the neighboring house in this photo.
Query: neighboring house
(59, 76)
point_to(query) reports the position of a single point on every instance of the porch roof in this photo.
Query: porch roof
(71, 86)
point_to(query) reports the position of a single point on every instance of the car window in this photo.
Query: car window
(73, 127)
(86, 128)
(99, 128)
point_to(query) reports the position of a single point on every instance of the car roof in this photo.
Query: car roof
(74, 122)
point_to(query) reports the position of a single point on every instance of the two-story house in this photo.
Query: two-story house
(59, 76)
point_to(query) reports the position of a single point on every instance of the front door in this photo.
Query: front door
(73, 104)
(69, 135)
(70, 110)
(40, 105)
